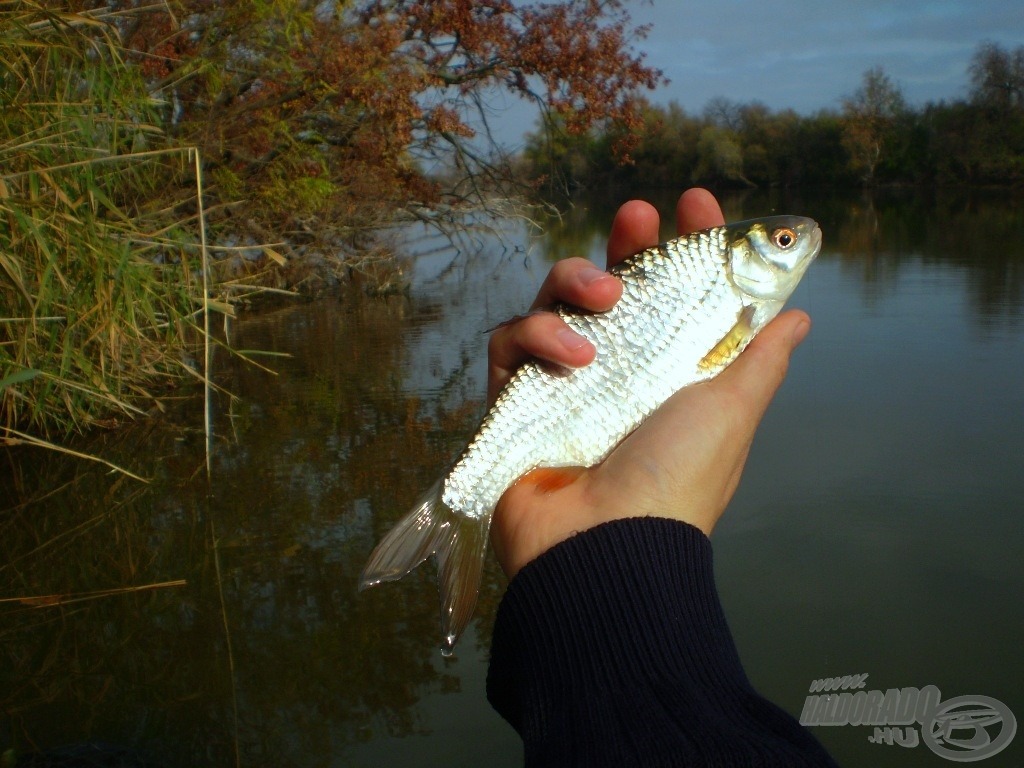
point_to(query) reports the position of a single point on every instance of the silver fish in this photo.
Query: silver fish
(688, 308)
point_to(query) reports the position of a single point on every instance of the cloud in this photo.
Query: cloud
(808, 54)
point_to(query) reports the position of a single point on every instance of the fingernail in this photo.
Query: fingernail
(571, 340)
(799, 333)
(590, 275)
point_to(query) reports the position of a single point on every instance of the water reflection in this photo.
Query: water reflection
(311, 467)
(267, 649)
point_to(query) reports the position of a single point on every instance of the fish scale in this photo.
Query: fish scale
(688, 308)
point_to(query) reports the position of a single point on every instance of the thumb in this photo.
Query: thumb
(757, 374)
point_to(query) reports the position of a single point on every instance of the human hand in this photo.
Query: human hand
(577, 282)
(685, 461)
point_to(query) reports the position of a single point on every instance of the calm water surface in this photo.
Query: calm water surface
(877, 530)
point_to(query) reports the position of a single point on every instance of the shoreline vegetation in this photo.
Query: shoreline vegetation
(163, 163)
(317, 125)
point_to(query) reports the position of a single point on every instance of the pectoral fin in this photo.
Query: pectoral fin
(730, 346)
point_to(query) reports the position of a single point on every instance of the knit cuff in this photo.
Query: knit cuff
(627, 603)
(611, 649)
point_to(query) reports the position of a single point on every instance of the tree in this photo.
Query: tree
(667, 152)
(819, 156)
(724, 113)
(870, 117)
(560, 160)
(719, 157)
(997, 77)
(333, 117)
(317, 121)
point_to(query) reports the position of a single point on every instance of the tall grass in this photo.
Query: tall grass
(101, 281)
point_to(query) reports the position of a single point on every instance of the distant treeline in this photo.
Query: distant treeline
(874, 139)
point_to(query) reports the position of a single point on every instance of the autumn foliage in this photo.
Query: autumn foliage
(323, 120)
(316, 124)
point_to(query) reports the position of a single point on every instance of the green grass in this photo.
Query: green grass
(102, 254)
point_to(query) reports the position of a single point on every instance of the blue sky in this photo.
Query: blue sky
(808, 54)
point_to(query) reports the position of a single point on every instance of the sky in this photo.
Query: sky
(808, 54)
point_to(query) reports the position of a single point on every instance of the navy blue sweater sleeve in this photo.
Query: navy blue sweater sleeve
(612, 649)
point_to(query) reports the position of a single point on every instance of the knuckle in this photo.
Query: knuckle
(496, 342)
(521, 336)
(563, 271)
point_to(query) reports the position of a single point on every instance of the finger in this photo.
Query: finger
(634, 228)
(697, 209)
(578, 282)
(541, 335)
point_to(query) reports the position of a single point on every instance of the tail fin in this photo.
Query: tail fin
(460, 543)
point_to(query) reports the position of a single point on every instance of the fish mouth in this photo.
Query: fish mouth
(794, 275)
(815, 243)
(812, 251)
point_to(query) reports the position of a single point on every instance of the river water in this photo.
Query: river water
(216, 622)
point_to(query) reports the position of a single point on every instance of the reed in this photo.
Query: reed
(103, 294)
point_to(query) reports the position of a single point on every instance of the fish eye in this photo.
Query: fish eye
(784, 237)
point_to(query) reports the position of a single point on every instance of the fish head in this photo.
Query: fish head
(767, 257)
